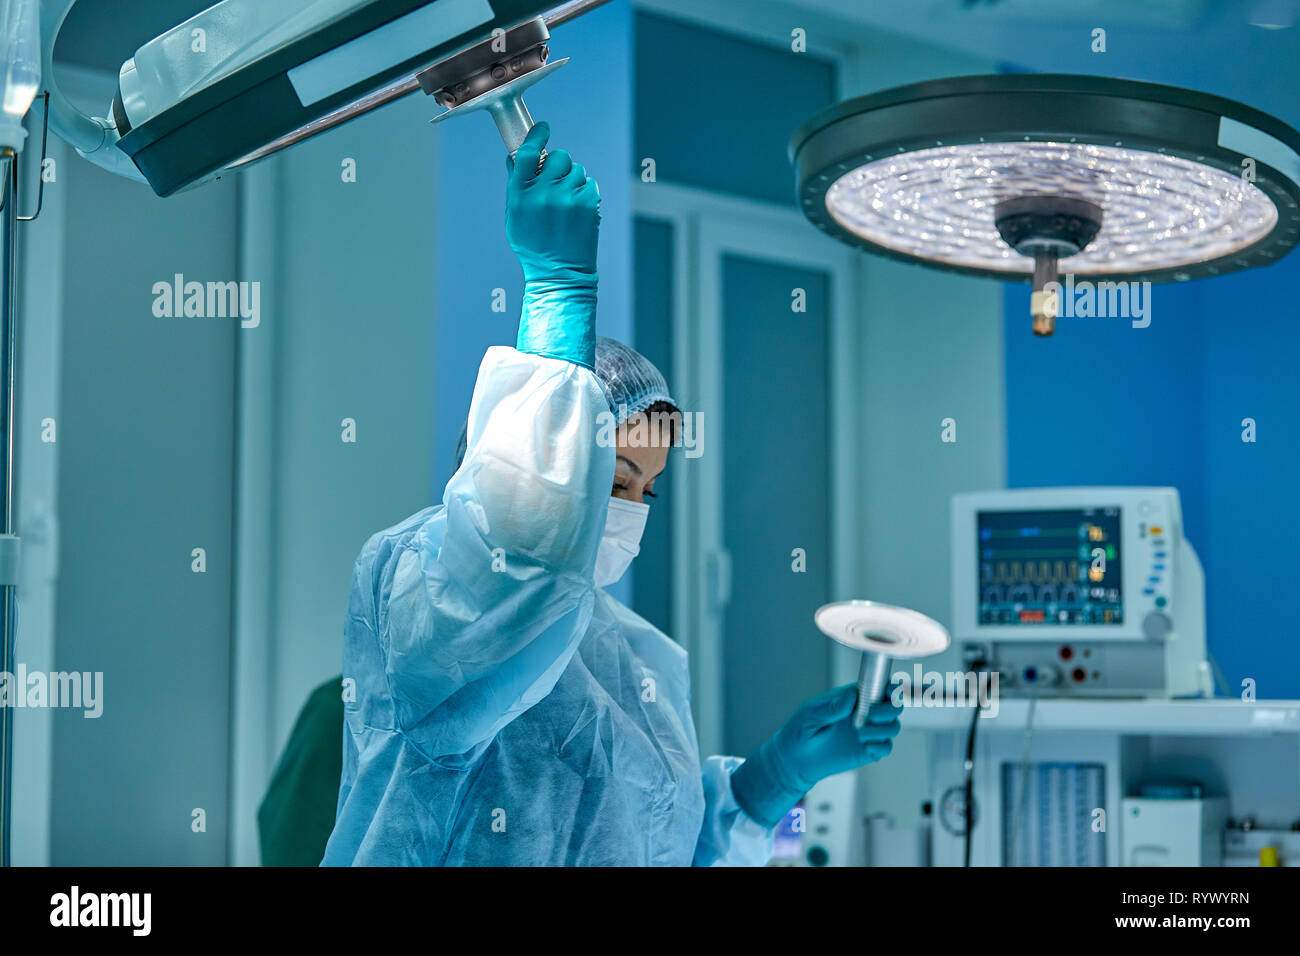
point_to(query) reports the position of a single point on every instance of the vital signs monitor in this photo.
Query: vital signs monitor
(1080, 591)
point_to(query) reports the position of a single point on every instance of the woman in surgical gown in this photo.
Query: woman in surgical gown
(508, 711)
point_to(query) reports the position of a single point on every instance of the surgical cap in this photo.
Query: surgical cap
(632, 383)
(630, 380)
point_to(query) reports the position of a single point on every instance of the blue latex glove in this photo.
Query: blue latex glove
(817, 742)
(552, 221)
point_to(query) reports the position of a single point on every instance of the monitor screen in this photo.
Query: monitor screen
(1051, 567)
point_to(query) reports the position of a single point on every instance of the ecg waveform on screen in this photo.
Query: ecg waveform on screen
(1030, 572)
(1058, 566)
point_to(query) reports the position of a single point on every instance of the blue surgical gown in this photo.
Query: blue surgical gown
(507, 711)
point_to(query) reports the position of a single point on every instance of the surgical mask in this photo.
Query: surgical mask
(621, 540)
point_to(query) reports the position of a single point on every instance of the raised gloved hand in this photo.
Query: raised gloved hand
(552, 222)
(817, 742)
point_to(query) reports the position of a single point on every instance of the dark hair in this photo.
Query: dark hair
(674, 419)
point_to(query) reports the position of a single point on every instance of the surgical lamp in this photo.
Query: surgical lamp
(1008, 175)
(492, 77)
(244, 79)
(883, 633)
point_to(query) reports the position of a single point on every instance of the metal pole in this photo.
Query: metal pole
(573, 8)
(9, 590)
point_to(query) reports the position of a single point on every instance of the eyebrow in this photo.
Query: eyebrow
(635, 467)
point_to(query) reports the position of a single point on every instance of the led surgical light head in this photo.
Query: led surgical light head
(1010, 176)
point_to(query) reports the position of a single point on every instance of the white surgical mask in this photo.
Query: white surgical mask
(621, 540)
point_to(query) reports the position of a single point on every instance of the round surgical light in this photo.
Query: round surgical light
(1020, 176)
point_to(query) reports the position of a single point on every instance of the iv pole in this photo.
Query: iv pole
(9, 542)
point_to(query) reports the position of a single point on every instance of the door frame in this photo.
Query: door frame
(707, 226)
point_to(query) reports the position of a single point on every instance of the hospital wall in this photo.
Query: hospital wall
(1251, 350)
(1103, 402)
(139, 466)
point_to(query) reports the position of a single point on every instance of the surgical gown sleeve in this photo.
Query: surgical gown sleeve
(475, 625)
(729, 837)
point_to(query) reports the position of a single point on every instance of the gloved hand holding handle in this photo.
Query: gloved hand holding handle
(552, 222)
(817, 742)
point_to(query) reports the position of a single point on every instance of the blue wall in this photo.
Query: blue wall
(740, 97)
(1104, 403)
(1251, 350)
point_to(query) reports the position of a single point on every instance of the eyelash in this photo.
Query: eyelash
(648, 493)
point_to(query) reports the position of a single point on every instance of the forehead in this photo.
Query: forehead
(643, 444)
(647, 428)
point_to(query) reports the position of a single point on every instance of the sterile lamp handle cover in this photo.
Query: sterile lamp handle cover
(506, 106)
(873, 684)
(822, 738)
(492, 76)
(881, 632)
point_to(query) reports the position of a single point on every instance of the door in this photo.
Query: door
(746, 309)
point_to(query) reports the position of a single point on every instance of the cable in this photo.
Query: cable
(970, 780)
